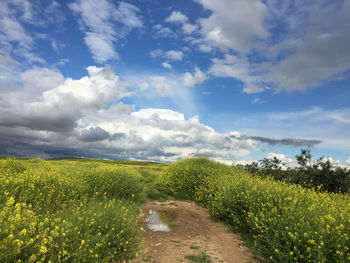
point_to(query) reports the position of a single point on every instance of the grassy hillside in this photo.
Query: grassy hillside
(85, 210)
(72, 210)
(286, 223)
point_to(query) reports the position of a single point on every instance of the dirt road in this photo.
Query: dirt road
(193, 231)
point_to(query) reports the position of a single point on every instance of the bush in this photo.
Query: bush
(193, 179)
(105, 231)
(68, 212)
(287, 223)
(320, 174)
(115, 182)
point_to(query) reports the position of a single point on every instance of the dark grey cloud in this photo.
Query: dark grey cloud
(93, 134)
(287, 141)
(295, 142)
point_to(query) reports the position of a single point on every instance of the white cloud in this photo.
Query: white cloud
(166, 65)
(162, 85)
(54, 46)
(233, 24)
(14, 38)
(62, 61)
(163, 31)
(286, 161)
(15, 32)
(205, 48)
(330, 126)
(58, 105)
(348, 161)
(176, 17)
(38, 80)
(239, 68)
(190, 80)
(101, 31)
(256, 100)
(174, 55)
(320, 55)
(19, 15)
(189, 28)
(311, 51)
(101, 48)
(85, 117)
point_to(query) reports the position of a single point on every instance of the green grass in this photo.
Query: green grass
(193, 246)
(202, 257)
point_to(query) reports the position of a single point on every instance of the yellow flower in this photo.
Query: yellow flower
(43, 249)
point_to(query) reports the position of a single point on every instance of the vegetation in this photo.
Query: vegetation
(202, 257)
(287, 223)
(70, 210)
(319, 174)
(79, 210)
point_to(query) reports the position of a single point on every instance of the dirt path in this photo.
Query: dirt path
(194, 230)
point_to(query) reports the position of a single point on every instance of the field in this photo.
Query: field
(81, 210)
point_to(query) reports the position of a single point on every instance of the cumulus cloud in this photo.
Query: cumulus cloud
(84, 117)
(348, 161)
(309, 51)
(233, 24)
(162, 86)
(176, 17)
(286, 161)
(119, 132)
(60, 108)
(93, 134)
(104, 24)
(239, 68)
(188, 28)
(205, 48)
(38, 80)
(166, 65)
(321, 53)
(163, 31)
(190, 80)
(173, 55)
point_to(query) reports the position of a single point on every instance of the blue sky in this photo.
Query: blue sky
(235, 80)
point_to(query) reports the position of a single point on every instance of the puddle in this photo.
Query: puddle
(160, 220)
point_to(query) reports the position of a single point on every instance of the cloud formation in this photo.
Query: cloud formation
(190, 80)
(233, 24)
(172, 55)
(176, 17)
(104, 24)
(85, 117)
(312, 51)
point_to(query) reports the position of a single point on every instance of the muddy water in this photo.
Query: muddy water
(160, 220)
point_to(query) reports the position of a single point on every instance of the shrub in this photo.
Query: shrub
(193, 178)
(97, 232)
(287, 223)
(115, 182)
(68, 212)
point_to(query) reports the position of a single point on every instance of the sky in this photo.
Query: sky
(160, 80)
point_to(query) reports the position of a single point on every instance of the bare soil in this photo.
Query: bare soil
(194, 230)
